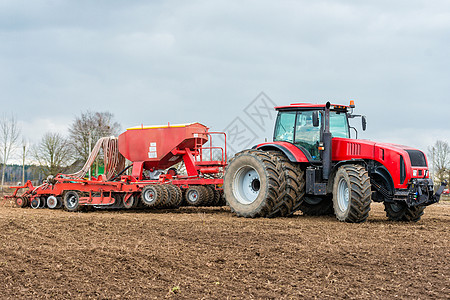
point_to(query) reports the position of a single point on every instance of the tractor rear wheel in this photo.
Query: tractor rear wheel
(351, 194)
(252, 184)
(292, 189)
(399, 211)
(317, 206)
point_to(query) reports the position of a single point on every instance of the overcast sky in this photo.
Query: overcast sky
(155, 62)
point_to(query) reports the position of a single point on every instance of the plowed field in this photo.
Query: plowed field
(195, 253)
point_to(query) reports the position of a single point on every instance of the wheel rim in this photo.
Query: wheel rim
(248, 185)
(149, 196)
(36, 203)
(52, 202)
(193, 196)
(343, 195)
(72, 201)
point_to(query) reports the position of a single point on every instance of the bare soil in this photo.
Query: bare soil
(193, 253)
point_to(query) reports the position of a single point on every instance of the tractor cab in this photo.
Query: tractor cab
(303, 125)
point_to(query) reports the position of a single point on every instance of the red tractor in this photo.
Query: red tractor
(314, 166)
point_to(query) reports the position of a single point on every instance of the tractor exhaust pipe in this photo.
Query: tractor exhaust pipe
(326, 154)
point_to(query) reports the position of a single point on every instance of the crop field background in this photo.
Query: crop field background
(195, 253)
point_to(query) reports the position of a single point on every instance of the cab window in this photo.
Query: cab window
(306, 135)
(339, 124)
(284, 128)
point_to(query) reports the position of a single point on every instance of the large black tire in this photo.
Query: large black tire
(43, 202)
(197, 195)
(352, 194)
(209, 201)
(217, 196)
(154, 196)
(175, 195)
(222, 200)
(317, 206)
(399, 211)
(292, 189)
(252, 184)
(180, 198)
(72, 201)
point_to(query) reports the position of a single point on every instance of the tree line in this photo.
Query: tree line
(54, 153)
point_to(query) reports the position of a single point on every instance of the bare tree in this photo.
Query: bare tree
(91, 126)
(53, 153)
(9, 134)
(439, 155)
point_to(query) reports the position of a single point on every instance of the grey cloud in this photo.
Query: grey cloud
(182, 61)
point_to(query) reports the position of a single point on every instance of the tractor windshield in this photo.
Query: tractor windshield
(339, 124)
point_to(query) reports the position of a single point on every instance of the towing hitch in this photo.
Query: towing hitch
(438, 194)
(421, 192)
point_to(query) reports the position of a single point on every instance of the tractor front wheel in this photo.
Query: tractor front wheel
(351, 194)
(399, 211)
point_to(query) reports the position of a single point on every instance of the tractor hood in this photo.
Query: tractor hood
(393, 146)
(343, 148)
(410, 162)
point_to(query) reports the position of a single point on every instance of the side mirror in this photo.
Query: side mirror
(364, 123)
(315, 118)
